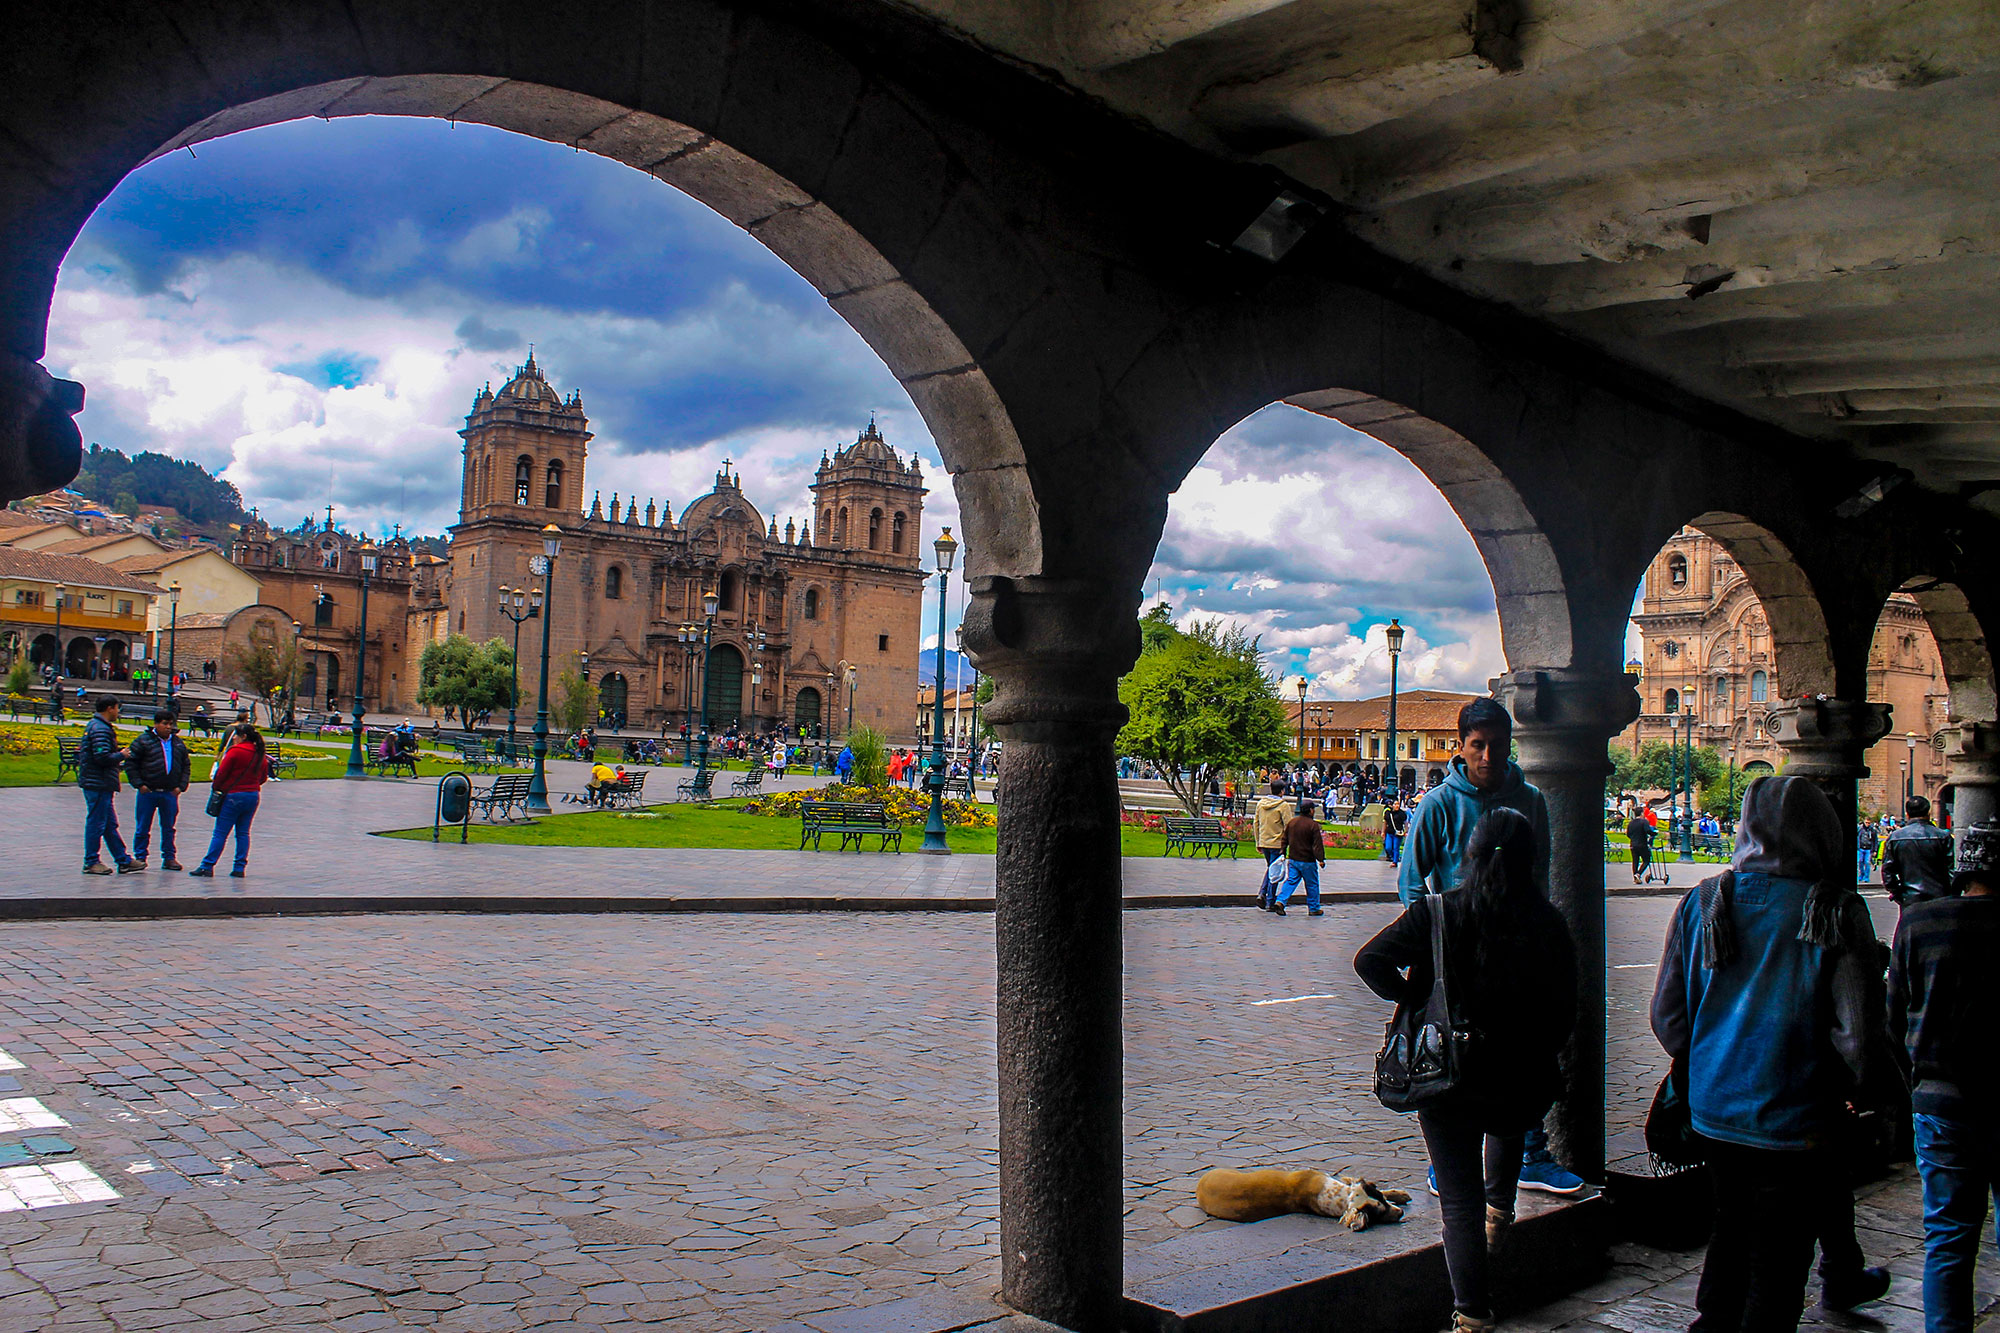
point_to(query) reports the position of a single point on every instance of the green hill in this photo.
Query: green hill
(203, 500)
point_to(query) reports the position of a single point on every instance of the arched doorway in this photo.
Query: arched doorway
(611, 696)
(309, 680)
(723, 687)
(332, 681)
(77, 658)
(42, 652)
(806, 711)
(116, 659)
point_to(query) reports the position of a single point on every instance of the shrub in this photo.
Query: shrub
(871, 757)
(20, 677)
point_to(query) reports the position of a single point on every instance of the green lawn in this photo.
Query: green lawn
(722, 824)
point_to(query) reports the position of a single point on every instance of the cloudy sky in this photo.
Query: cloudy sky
(310, 308)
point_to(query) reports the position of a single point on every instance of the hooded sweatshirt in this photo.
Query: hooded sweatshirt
(1443, 825)
(1273, 813)
(1780, 1030)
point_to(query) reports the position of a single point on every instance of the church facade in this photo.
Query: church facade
(816, 628)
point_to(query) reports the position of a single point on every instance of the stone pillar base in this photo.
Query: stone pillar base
(1972, 756)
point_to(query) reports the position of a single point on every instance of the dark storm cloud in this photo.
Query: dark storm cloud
(474, 332)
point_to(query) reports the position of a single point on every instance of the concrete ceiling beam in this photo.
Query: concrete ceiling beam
(1846, 377)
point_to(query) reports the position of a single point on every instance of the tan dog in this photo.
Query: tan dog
(1252, 1196)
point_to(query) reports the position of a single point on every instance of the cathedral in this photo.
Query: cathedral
(816, 628)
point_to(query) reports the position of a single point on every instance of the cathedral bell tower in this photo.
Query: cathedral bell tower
(524, 452)
(869, 502)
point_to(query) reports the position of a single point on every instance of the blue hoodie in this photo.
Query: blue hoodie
(1443, 825)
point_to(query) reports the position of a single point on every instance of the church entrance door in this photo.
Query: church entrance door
(724, 687)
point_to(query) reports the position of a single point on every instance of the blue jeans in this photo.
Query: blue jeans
(1863, 863)
(1265, 893)
(1392, 847)
(100, 826)
(1960, 1163)
(238, 809)
(167, 804)
(1301, 872)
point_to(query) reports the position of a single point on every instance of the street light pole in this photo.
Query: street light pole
(1910, 769)
(934, 842)
(709, 603)
(292, 678)
(1300, 682)
(853, 678)
(56, 690)
(514, 604)
(972, 737)
(545, 565)
(1687, 786)
(355, 768)
(173, 633)
(1393, 636)
(688, 635)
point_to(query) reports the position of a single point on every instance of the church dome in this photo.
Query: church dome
(869, 447)
(529, 385)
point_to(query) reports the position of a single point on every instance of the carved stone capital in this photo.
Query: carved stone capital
(1828, 738)
(1973, 751)
(40, 446)
(1564, 718)
(1054, 649)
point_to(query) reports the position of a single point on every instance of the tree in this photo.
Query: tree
(982, 694)
(1157, 628)
(575, 705)
(1653, 768)
(261, 664)
(1202, 700)
(21, 676)
(470, 677)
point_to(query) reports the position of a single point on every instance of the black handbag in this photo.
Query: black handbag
(1670, 1131)
(1423, 1050)
(215, 800)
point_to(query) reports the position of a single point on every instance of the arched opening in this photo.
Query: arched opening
(1760, 686)
(614, 583)
(806, 712)
(723, 684)
(116, 662)
(874, 529)
(896, 533)
(612, 694)
(729, 591)
(840, 529)
(1677, 571)
(42, 652)
(1928, 660)
(79, 657)
(811, 604)
(552, 487)
(524, 477)
(332, 679)
(1671, 701)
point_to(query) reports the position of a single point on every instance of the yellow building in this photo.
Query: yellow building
(89, 615)
(1352, 735)
(198, 581)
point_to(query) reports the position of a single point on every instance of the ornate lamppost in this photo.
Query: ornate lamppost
(1687, 785)
(755, 640)
(1393, 636)
(321, 616)
(545, 565)
(972, 739)
(689, 636)
(292, 680)
(1300, 683)
(934, 842)
(852, 676)
(517, 604)
(709, 602)
(355, 768)
(56, 689)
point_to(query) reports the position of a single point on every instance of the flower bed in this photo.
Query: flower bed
(903, 805)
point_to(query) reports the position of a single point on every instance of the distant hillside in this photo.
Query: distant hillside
(957, 669)
(203, 500)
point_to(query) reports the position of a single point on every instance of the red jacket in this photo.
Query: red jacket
(240, 769)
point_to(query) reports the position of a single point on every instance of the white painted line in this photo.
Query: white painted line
(18, 1113)
(51, 1186)
(1627, 967)
(9, 1062)
(1295, 999)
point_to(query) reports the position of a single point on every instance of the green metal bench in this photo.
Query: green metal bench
(851, 821)
(1198, 837)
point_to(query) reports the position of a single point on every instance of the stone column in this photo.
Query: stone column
(40, 446)
(1972, 759)
(1055, 651)
(1827, 740)
(1563, 724)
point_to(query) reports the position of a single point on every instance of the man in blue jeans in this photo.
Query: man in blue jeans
(1944, 997)
(1481, 778)
(158, 763)
(1305, 856)
(98, 765)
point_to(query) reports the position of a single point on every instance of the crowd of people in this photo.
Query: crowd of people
(159, 767)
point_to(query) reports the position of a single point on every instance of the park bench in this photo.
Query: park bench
(474, 754)
(282, 764)
(1225, 805)
(505, 793)
(852, 820)
(36, 709)
(383, 766)
(69, 756)
(749, 782)
(700, 787)
(205, 724)
(1713, 843)
(627, 795)
(1201, 837)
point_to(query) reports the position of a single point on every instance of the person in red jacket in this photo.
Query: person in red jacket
(239, 777)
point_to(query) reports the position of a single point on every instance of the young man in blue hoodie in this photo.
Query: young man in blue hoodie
(1482, 778)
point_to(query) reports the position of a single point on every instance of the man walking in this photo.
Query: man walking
(1639, 833)
(159, 765)
(1305, 857)
(1273, 813)
(1944, 996)
(1916, 858)
(1481, 778)
(97, 774)
(1395, 823)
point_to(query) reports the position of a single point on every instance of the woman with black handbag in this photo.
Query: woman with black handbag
(1476, 1057)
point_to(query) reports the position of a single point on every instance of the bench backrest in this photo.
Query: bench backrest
(1201, 828)
(69, 747)
(511, 784)
(843, 812)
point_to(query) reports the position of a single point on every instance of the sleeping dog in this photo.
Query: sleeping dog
(1252, 1196)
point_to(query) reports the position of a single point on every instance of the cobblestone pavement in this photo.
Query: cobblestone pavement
(722, 1122)
(311, 841)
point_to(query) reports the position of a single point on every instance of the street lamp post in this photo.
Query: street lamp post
(292, 678)
(55, 691)
(1910, 769)
(517, 604)
(545, 565)
(934, 843)
(1687, 789)
(320, 617)
(709, 602)
(755, 638)
(689, 636)
(355, 768)
(173, 632)
(1300, 683)
(1393, 636)
(972, 737)
(853, 678)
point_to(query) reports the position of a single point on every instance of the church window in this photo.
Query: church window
(524, 472)
(729, 592)
(1673, 701)
(1760, 687)
(614, 583)
(552, 499)
(322, 611)
(840, 533)
(812, 603)
(881, 643)
(896, 534)
(1677, 571)
(875, 530)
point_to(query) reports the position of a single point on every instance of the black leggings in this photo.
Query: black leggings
(1768, 1208)
(1466, 1187)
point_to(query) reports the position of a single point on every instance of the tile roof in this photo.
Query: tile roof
(82, 571)
(82, 544)
(1416, 710)
(154, 560)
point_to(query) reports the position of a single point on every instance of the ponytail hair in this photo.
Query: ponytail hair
(1497, 883)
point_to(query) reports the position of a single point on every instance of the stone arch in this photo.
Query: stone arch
(1801, 644)
(1962, 648)
(739, 115)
